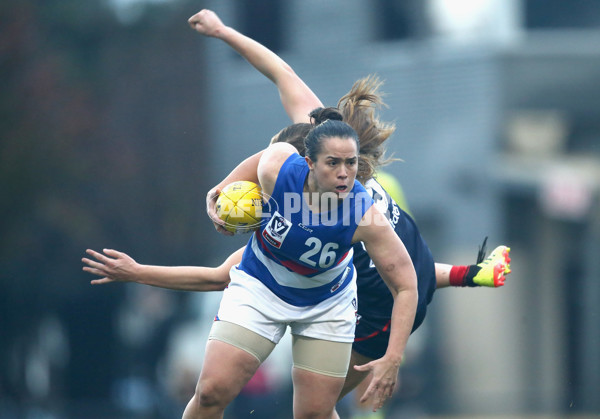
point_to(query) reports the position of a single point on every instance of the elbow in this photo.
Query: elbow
(211, 286)
(407, 281)
(220, 284)
(287, 71)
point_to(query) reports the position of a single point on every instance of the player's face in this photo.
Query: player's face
(336, 166)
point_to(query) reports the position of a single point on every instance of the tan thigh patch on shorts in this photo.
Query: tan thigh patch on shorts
(240, 337)
(321, 356)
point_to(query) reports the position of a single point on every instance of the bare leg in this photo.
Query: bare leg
(225, 371)
(359, 391)
(354, 378)
(315, 395)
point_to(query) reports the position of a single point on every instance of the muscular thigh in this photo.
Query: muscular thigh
(321, 356)
(242, 338)
(225, 371)
(233, 354)
(320, 367)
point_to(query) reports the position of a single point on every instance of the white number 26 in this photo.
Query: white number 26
(327, 257)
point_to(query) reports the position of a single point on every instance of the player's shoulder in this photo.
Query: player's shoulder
(372, 186)
(271, 162)
(278, 153)
(380, 197)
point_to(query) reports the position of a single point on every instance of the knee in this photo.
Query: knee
(211, 395)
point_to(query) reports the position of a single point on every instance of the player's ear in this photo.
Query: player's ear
(309, 162)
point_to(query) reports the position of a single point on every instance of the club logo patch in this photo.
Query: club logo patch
(276, 230)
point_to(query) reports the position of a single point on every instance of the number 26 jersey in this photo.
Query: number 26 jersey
(304, 257)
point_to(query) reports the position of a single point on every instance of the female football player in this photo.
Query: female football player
(297, 271)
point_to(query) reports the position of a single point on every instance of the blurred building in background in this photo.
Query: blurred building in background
(496, 107)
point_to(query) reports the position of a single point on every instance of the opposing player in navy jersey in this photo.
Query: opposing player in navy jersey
(374, 310)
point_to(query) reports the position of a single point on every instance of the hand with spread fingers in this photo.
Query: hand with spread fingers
(113, 266)
(383, 383)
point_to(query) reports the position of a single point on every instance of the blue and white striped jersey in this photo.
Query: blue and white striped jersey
(302, 256)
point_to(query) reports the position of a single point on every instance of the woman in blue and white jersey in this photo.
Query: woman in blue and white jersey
(297, 271)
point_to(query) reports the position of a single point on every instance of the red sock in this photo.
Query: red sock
(457, 276)
(462, 276)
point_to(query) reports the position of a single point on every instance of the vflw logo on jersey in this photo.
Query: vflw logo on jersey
(276, 230)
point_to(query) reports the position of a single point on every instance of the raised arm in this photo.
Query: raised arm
(395, 267)
(296, 97)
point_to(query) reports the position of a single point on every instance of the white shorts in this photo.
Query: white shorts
(247, 302)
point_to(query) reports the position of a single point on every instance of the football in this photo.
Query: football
(240, 206)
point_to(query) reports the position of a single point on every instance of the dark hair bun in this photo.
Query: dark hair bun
(320, 115)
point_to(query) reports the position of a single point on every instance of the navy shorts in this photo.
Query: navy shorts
(371, 337)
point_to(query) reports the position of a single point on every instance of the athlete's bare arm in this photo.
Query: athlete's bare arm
(395, 267)
(296, 97)
(115, 266)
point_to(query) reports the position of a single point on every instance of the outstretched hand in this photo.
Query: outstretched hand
(113, 266)
(383, 383)
(206, 22)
